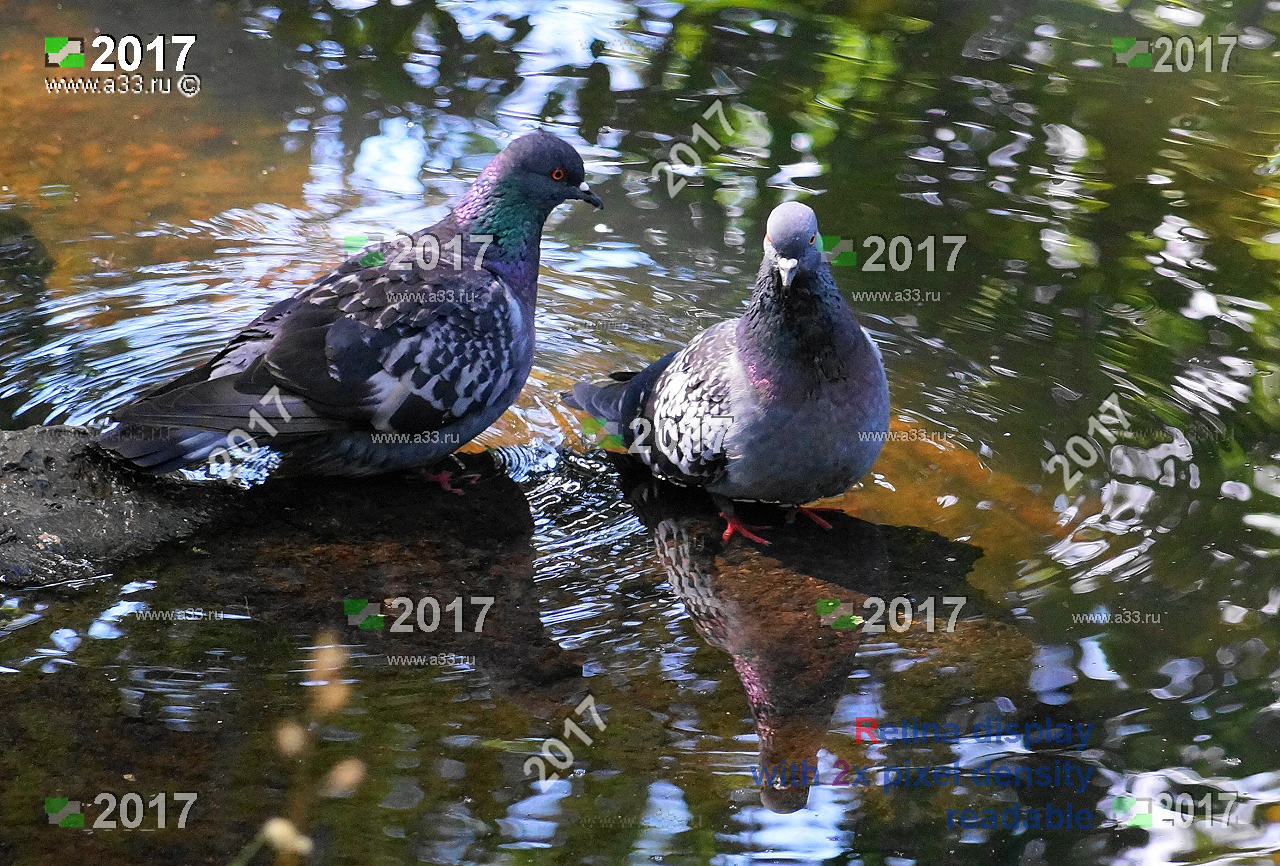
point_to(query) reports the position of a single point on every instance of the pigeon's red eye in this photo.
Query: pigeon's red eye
(557, 174)
(812, 239)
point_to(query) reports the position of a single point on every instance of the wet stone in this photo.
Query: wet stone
(69, 513)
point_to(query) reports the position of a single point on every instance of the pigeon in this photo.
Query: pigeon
(404, 353)
(787, 404)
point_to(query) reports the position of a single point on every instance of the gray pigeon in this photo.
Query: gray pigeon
(787, 404)
(394, 360)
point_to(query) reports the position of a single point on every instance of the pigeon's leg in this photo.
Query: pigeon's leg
(445, 478)
(735, 524)
(737, 527)
(812, 514)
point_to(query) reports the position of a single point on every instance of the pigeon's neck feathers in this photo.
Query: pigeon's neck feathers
(498, 205)
(805, 329)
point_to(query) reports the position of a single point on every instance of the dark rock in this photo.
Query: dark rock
(67, 512)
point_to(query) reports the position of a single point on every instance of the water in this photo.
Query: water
(1120, 238)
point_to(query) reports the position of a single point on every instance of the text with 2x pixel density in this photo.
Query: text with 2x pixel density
(1071, 775)
(986, 729)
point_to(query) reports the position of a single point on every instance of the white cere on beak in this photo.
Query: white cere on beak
(787, 268)
(583, 186)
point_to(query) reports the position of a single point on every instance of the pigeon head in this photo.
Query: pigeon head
(515, 194)
(791, 241)
(544, 170)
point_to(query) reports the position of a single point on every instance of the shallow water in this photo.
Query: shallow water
(1121, 237)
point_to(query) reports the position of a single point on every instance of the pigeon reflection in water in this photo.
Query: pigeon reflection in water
(761, 608)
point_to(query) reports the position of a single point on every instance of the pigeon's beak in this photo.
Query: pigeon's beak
(786, 270)
(585, 194)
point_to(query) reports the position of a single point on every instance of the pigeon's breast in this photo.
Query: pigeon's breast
(800, 450)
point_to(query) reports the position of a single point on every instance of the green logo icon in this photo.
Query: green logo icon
(838, 251)
(63, 812)
(1123, 806)
(355, 243)
(838, 615)
(1132, 52)
(593, 428)
(363, 615)
(63, 52)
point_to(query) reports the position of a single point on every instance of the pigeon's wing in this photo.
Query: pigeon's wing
(237, 356)
(346, 356)
(404, 365)
(690, 410)
(366, 348)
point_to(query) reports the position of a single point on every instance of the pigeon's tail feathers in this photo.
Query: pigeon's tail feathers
(226, 403)
(601, 401)
(182, 426)
(621, 400)
(162, 449)
(573, 401)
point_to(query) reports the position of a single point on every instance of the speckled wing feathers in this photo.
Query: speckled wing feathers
(691, 409)
(365, 348)
(406, 365)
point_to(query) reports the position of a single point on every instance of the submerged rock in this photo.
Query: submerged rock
(68, 513)
(290, 549)
(23, 259)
